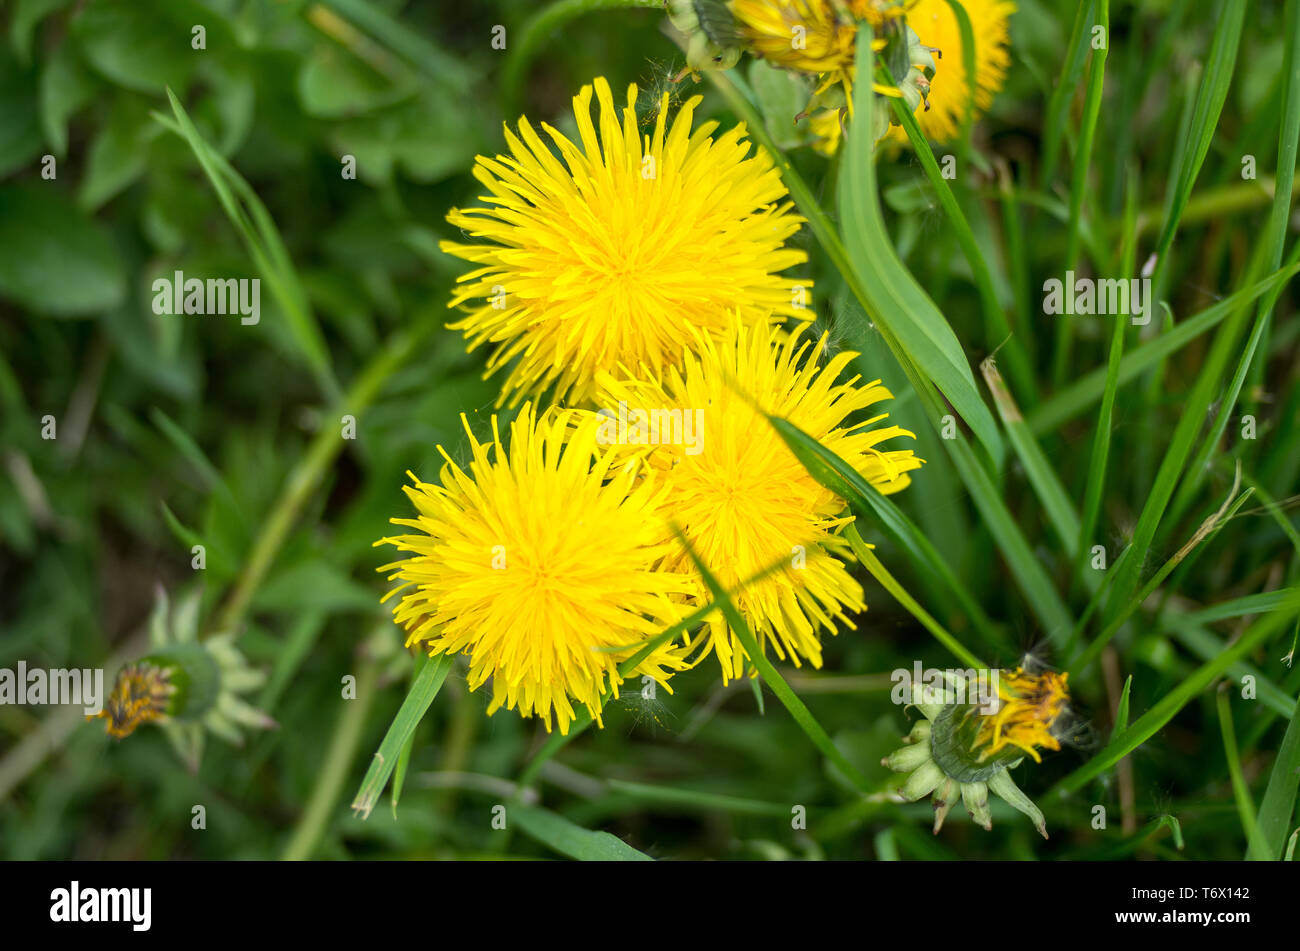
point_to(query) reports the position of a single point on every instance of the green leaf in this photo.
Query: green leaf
(893, 298)
(887, 581)
(448, 70)
(1240, 789)
(1058, 106)
(997, 330)
(143, 45)
(1075, 398)
(1278, 806)
(1121, 710)
(1042, 477)
(693, 799)
(27, 14)
(782, 94)
(1274, 238)
(314, 584)
(429, 678)
(1198, 134)
(53, 258)
(20, 132)
(66, 87)
(563, 836)
(333, 84)
(399, 776)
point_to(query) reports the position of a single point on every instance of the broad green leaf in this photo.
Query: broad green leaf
(558, 833)
(53, 258)
(145, 45)
(20, 132)
(893, 298)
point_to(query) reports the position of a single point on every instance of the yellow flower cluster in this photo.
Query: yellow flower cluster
(638, 280)
(819, 38)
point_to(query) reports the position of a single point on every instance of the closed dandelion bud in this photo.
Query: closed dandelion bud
(916, 72)
(911, 64)
(141, 694)
(953, 742)
(968, 749)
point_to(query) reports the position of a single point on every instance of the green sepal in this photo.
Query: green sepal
(194, 674)
(952, 744)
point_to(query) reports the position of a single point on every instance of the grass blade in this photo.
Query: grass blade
(838, 476)
(265, 247)
(558, 833)
(429, 678)
(1240, 791)
(887, 581)
(1076, 397)
(1147, 725)
(1278, 807)
(802, 715)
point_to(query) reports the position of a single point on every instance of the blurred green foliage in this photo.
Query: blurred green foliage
(177, 431)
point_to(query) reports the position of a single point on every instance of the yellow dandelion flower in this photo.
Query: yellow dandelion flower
(618, 253)
(826, 129)
(1030, 708)
(814, 36)
(741, 497)
(936, 25)
(538, 563)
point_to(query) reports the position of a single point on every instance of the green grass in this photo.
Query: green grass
(1046, 438)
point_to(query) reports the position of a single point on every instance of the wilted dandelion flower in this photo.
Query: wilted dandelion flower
(621, 251)
(185, 685)
(542, 564)
(936, 25)
(969, 750)
(1030, 706)
(142, 693)
(741, 497)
